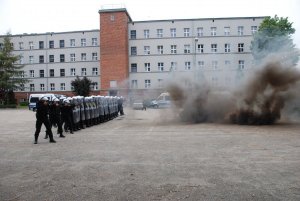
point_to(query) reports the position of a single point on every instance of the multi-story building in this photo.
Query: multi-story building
(52, 60)
(137, 56)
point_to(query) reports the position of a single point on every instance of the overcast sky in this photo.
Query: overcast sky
(40, 16)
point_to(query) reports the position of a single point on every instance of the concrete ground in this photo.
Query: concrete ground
(146, 155)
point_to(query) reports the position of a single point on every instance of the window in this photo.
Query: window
(200, 48)
(227, 63)
(21, 60)
(42, 87)
(241, 47)
(173, 66)
(200, 31)
(241, 64)
(187, 65)
(160, 66)
(22, 74)
(133, 67)
(201, 64)
(42, 73)
(62, 72)
(173, 32)
(213, 47)
(113, 83)
(95, 86)
(159, 33)
(133, 34)
(147, 67)
(41, 59)
(240, 30)
(94, 42)
(31, 87)
(215, 64)
(52, 87)
(21, 45)
(62, 86)
(146, 33)
(51, 44)
(1, 46)
(72, 71)
(62, 58)
(83, 71)
(253, 29)
(51, 72)
(134, 84)
(83, 42)
(31, 73)
(31, 59)
(31, 46)
(41, 44)
(227, 47)
(83, 56)
(112, 18)
(160, 83)
(22, 87)
(72, 42)
(187, 49)
(94, 56)
(226, 31)
(61, 43)
(147, 84)
(160, 49)
(213, 31)
(133, 50)
(186, 32)
(72, 57)
(173, 49)
(95, 71)
(51, 58)
(146, 50)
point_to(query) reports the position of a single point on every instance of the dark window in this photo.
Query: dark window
(41, 44)
(51, 58)
(41, 58)
(133, 34)
(134, 68)
(62, 72)
(62, 58)
(51, 72)
(61, 43)
(51, 44)
(42, 73)
(133, 50)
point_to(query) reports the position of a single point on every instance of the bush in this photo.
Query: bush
(8, 106)
(23, 103)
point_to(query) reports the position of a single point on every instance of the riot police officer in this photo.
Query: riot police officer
(55, 116)
(42, 118)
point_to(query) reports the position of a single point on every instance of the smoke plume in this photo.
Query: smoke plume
(259, 101)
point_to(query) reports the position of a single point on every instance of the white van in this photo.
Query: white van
(164, 100)
(34, 98)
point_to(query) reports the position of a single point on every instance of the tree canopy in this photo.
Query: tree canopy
(274, 37)
(82, 87)
(10, 72)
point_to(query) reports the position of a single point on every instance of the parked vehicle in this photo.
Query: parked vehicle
(164, 100)
(34, 98)
(137, 104)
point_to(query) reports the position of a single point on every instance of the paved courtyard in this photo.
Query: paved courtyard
(148, 155)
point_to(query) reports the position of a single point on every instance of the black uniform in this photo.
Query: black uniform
(42, 118)
(67, 112)
(55, 118)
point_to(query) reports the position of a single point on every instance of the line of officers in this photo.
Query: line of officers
(75, 113)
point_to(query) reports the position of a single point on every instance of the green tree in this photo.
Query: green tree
(10, 72)
(82, 87)
(274, 37)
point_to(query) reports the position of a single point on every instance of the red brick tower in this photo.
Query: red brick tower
(114, 51)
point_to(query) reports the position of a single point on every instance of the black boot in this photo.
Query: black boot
(52, 141)
(46, 136)
(61, 135)
(35, 140)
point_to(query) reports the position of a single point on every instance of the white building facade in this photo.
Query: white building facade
(52, 60)
(214, 51)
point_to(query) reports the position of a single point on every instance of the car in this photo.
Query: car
(164, 100)
(138, 104)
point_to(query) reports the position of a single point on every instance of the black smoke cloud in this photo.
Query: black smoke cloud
(259, 101)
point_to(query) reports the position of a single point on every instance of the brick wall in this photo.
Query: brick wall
(113, 49)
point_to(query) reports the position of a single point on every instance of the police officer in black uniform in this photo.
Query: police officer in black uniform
(55, 116)
(42, 118)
